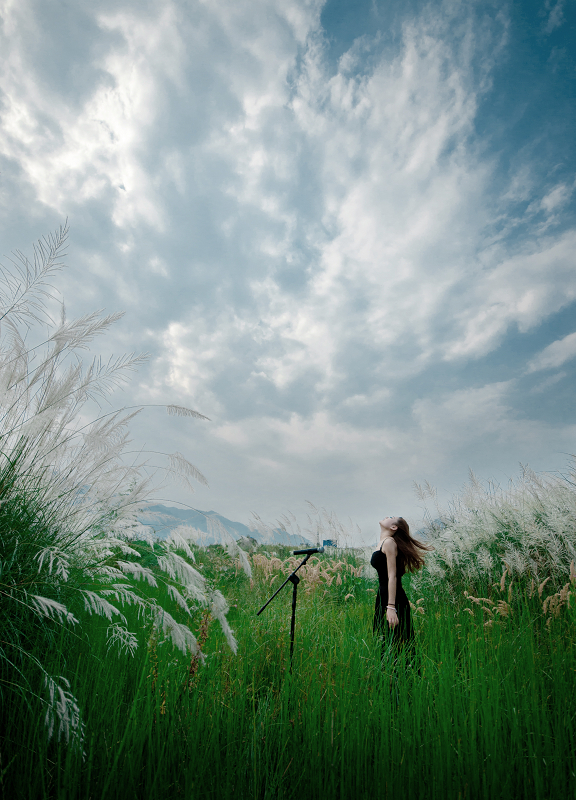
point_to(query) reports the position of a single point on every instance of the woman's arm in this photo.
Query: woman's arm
(391, 549)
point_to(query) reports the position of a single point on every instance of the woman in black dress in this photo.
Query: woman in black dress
(397, 554)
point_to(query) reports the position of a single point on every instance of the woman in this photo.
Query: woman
(397, 554)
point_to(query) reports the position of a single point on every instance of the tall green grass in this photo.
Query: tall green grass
(480, 712)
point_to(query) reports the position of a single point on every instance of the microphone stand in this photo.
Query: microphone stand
(294, 580)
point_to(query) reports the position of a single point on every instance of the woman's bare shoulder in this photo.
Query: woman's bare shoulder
(390, 547)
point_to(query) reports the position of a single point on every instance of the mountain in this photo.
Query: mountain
(164, 519)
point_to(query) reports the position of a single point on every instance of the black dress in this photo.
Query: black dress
(402, 634)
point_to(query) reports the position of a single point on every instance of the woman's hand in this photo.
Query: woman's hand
(392, 617)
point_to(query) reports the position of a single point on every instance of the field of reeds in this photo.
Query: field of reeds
(133, 668)
(486, 708)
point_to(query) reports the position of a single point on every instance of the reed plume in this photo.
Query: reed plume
(528, 530)
(71, 494)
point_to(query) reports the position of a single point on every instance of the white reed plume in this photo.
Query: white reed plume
(180, 635)
(180, 411)
(530, 526)
(94, 603)
(137, 571)
(62, 713)
(322, 524)
(180, 541)
(118, 636)
(70, 490)
(223, 535)
(185, 535)
(184, 470)
(219, 609)
(52, 609)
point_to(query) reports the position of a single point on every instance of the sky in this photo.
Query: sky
(345, 232)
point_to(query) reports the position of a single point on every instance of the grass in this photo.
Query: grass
(484, 712)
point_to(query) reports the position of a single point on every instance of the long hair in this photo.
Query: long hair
(409, 547)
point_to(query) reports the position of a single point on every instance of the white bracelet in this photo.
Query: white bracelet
(392, 607)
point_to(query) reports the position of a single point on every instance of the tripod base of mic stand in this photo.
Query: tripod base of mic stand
(294, 580)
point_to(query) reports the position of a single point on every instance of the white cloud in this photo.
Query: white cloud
(552, 380)
(556, 198)
(556, 15)
(368, 182)
(464, 417)
(400, 243)
(371, 469)
(556, 354)
(521, 290)
(93, 154)
(396, 184)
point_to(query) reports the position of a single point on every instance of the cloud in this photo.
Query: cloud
(472, 419)
(370, 469)
(522, 290)
(556, 15)
(396, 192)
(556, 354)
(397, 265)
(546, 384)
(344, 217)
(301, 244)
(556, 198)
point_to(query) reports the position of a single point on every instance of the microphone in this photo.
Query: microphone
(309, 551)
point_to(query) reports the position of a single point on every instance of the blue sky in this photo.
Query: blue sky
(345, 232)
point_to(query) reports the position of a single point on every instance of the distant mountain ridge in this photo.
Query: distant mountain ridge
(164, 519)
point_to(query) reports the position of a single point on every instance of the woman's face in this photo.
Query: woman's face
(389, 524)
